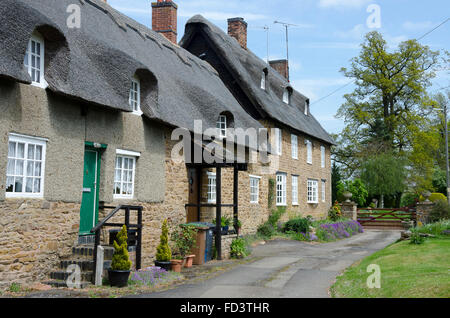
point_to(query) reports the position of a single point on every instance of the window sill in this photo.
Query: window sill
(123, 198)
(43, 85)
(9, 195)
(295, 204)
(137, 113)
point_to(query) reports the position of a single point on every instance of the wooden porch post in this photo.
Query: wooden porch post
(219, 212)
(235, 195)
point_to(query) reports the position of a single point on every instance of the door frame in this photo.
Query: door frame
(98, 149)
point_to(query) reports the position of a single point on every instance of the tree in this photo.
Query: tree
(336, 177)
(356, 187)
(389, 110)
(384, 175)
(390, 93)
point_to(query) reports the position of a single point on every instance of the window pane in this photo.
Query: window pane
(19, 168)
(37, 185)
(12, 150)
(10, 167)
(9, 184)
(30, 152)
(117, 175)
(18, 184)
(30, 167)
(29, 185)
(37, 169)
(119, 162)
(38, 152)
(21, 150)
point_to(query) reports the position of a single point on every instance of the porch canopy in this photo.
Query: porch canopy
(223, 159)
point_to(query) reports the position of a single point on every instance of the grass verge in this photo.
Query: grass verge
(407, 271)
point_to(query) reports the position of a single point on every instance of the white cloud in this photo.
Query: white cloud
(356, 33)
(343, 3)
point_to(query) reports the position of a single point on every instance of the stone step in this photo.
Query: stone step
(85, 265)
(85, 251)
(63, 275)
(62, 284)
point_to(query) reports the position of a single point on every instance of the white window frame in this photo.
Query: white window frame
(294, 190)
(254, 189)
(263, 80)
(287, 96)
(324, 184)
(134, 99)
(27, 141)
(313, 191)
(212, 188)
(124, 155)
(37, 39)
(281, 189)
(323, 155)
(309, 151)
(278, 133)
(294, 146)
(222, 126)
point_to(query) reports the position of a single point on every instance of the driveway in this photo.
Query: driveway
(287, 269)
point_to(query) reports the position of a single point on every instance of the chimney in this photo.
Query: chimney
(281, 66)
(164, 19)
(237, 28)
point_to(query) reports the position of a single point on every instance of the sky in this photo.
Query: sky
(325, 36)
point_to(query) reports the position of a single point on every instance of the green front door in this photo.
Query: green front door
(89, 203)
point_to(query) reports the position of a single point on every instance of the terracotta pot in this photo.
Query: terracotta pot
(189, 261)
(176, 265)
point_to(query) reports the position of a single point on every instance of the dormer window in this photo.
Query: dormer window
(287, 96)
(34, 60)
(222, 126)
(135, 96)
(263, 79)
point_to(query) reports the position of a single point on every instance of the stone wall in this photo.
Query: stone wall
(34, 235)
(423, 211)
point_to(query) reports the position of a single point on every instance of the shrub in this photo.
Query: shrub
(276, 215)
(121, 258)
(416, 238)
(239, 248)
(266, 230)
(436, 229)
(440, 211)
(435, 197)
(308, 237)
(184, 239)
(409, 199)
(163, 252)
(299, 225)
(335, 212)
(224, 221)
(337, 231)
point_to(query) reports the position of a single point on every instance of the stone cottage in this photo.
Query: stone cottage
(89, 100)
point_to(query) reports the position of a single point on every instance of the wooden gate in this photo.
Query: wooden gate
(387, 219)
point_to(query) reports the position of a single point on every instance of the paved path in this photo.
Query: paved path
(287, 269)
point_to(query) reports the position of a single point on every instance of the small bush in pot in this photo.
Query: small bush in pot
(121, 264)
(239, 249)
(184, 239)
(163, 252)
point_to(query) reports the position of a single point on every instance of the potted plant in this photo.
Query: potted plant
(163, 252)
(184, 239)
(119, 272)
(176, 264)
(225, 224)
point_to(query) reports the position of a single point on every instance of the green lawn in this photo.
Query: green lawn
(406, 271)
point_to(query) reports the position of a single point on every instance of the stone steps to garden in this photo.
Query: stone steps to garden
(82, 256)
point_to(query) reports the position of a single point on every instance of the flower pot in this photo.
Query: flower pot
(164, 265)
(347, 195)
(176, 265)
(118, 278)
(225, 230)
(189, 261)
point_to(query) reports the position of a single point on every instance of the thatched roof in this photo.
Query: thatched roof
(95, 63)
(247, 70)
